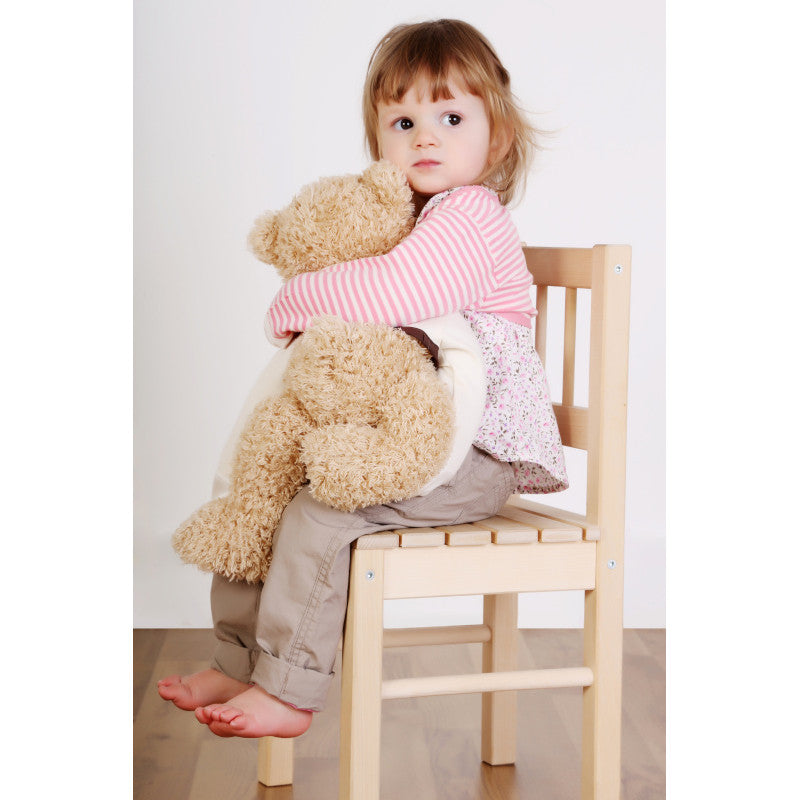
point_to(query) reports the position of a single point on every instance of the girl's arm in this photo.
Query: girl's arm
(446, 264)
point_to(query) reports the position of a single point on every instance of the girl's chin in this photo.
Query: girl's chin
(427, 189)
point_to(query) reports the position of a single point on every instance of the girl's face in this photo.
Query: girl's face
(438, 145)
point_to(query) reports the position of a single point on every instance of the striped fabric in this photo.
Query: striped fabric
(463, 254)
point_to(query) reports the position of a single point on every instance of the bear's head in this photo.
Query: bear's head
(336, 219)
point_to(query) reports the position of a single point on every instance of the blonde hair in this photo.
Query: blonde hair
(451, 50)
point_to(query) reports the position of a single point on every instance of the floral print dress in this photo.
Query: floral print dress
(518, 423)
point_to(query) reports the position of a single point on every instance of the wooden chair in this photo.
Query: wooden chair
(528, 547)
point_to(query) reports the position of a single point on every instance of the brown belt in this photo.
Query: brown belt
(425, 341)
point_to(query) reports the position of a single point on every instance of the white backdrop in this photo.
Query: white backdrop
(239, 103)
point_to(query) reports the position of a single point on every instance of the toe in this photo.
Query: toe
(207, 712)
(167, 689)
(217, 712)
(221, 729)
(229, 713)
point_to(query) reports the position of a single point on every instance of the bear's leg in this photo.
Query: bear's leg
(352, 466)
(384, 421)
(232, 535)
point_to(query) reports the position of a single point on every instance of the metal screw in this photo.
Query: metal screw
(612, 564)
(618, 269)
(370, 574)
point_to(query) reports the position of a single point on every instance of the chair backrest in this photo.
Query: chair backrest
(600, 428)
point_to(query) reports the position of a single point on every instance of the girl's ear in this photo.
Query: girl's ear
(502, 140)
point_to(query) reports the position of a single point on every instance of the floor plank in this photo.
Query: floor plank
(147, 645)
(430, 747)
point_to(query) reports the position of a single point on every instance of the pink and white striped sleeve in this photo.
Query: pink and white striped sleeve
(444, 265)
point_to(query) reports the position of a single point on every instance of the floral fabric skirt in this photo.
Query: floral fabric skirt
(518, 423)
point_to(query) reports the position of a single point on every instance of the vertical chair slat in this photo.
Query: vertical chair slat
(541, 323)
(570, 324)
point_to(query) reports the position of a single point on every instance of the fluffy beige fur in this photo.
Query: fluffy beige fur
(363, 418)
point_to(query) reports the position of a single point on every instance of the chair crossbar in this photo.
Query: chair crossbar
(452, 571)
(573, 425)
(481, 682)
(442, 634)
(555, 266)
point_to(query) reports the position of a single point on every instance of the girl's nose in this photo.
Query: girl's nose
(425, 137)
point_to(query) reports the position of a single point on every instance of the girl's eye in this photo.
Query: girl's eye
(452, 119)
(403, 124)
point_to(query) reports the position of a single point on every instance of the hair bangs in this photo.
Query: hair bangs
(402, 74)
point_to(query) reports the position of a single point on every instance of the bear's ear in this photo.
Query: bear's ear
(261, 239)
(389, 183)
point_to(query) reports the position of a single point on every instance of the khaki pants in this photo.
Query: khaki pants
(283, 634)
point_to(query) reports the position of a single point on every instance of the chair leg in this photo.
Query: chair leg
(362, 674)
(602, 701)
(275, 761)
(499, 709)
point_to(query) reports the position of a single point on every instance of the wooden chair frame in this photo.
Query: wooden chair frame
(528, 547)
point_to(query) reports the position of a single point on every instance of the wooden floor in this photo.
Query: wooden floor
(430, 746)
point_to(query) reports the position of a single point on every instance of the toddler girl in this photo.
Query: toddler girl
(437, 104)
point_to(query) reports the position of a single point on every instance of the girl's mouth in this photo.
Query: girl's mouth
(427, 163)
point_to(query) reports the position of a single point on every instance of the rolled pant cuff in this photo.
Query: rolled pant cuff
(234, 661)
(299, 687)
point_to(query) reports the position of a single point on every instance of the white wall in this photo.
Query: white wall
(239, 103)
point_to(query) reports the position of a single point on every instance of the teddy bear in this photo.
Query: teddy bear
(361, 415)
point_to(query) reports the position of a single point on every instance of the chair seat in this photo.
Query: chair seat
(519, 522)
(519, 550)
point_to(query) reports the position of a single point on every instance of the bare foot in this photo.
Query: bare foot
(254, 713)
(209, 686)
